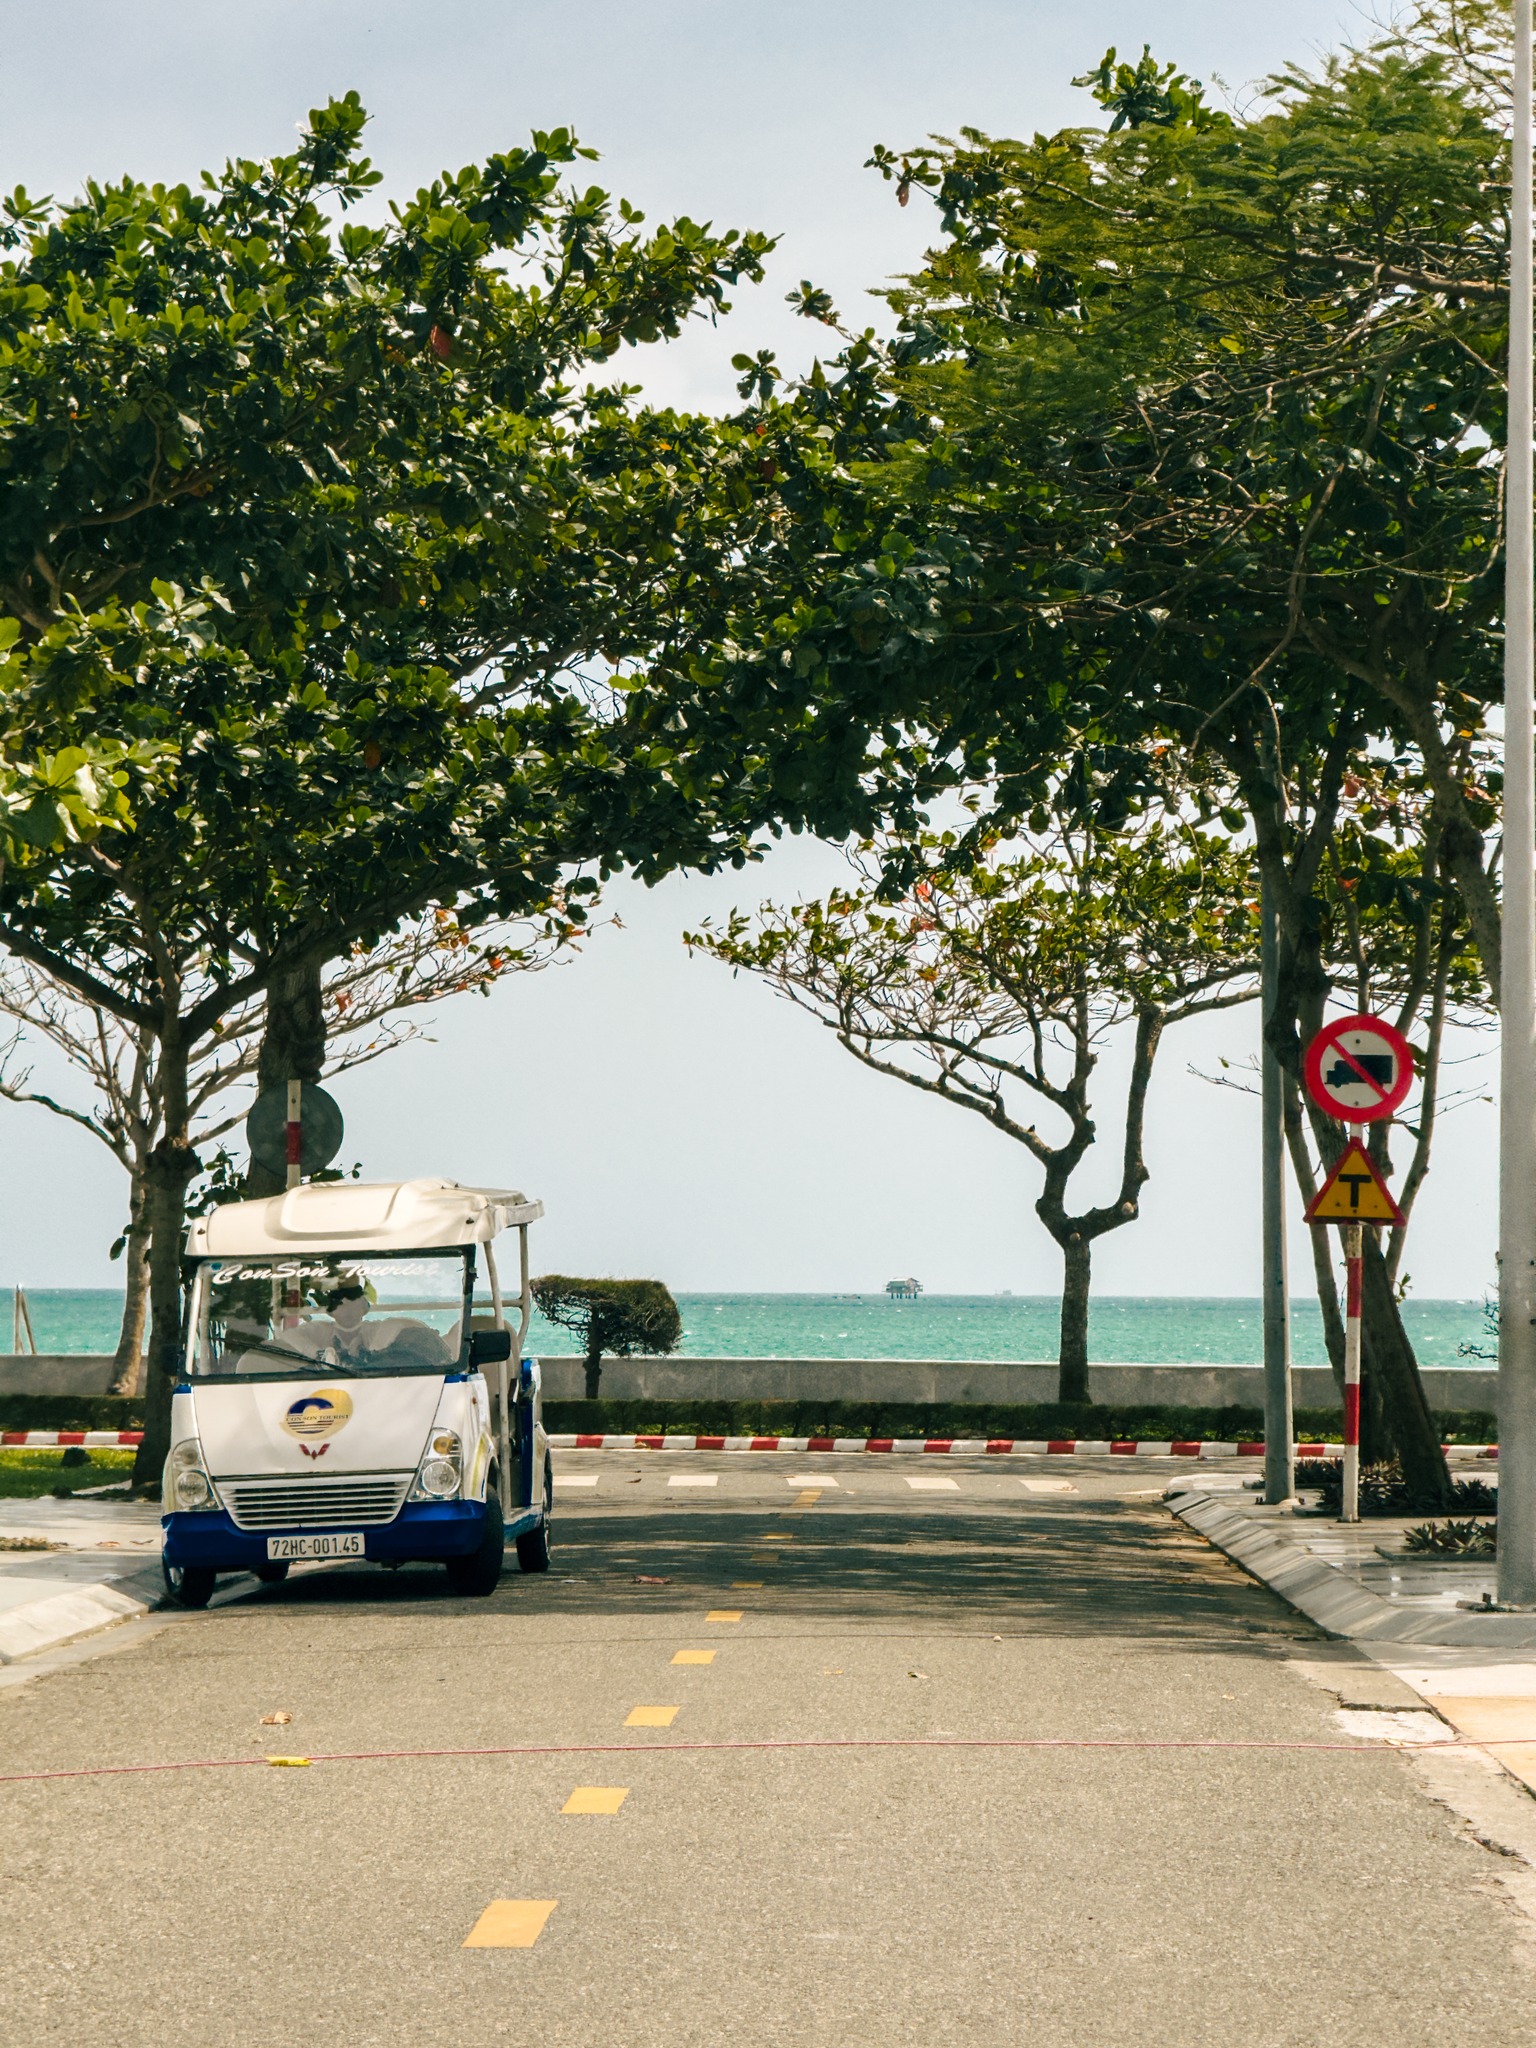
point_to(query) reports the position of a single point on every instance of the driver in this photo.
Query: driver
(349, 1335)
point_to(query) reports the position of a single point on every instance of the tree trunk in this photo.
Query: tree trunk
(594, 1370)
(292, 1049)
(1387, 1360)
(1328, 1300)
(170, 1167)
(1320, 1234)
(128, 1364)
(1072, 1364)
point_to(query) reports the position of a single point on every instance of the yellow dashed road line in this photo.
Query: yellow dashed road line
(510, 1923)
(596, 1799)
(651, 1717)
(723, 1614)
(694, 1657)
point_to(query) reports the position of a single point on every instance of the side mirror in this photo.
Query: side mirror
(489, 1347)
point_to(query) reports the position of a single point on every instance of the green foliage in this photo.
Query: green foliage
(613, 1318)
(999, 945)
(1183, 444)
(1469, 1539)
(70, 1411)
(330, 511)
(1384, 1491)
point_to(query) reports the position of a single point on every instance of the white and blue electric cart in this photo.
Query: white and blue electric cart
(353, 1388)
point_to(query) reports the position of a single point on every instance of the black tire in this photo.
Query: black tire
(533, 1549)
(188, 1585)
(480, 1572)
(273, 1572)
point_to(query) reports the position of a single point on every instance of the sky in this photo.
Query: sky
(679, 1122)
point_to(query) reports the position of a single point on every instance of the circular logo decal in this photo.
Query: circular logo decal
(318, 1415)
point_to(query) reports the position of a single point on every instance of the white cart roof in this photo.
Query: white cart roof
(392, 1216)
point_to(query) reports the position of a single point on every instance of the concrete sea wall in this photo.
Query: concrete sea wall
(861, 1379)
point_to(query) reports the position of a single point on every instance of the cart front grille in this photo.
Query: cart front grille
(360, 1503)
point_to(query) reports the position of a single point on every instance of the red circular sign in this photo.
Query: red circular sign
(1359, 1069)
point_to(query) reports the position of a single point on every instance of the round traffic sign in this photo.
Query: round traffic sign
(1359, 1069)
(320, 1128)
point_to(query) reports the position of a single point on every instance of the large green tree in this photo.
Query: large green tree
(1184, 442)
(336, 514)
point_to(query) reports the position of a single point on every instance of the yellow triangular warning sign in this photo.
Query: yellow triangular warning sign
(1354, 1192)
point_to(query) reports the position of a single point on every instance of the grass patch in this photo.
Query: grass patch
(33, 1475)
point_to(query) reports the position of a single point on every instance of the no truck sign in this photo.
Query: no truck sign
(1359, 1069)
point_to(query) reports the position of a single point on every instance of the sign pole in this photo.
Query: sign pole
(1353, 1261)
(295, 1132)
(1517, 979)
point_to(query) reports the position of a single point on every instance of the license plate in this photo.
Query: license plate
(315, 1546)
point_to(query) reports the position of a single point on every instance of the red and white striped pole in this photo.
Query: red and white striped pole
(295, 1132)
(1353, 1239)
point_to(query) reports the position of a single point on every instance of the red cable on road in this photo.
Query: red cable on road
(366, 1756)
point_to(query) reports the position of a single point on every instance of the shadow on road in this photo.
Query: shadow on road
(1099, 1568)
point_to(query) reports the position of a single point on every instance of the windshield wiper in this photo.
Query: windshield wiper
(301, 1361)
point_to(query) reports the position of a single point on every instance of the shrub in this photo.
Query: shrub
(1453, 1539)
(1383, 1491)
(620, 1317)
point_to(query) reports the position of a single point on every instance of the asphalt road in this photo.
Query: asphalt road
(910, 1883)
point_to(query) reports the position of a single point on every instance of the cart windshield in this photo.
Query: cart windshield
(319, 1313)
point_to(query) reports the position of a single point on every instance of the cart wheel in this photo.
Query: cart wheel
(479, 1572)
(533, 1549)
(273, 1572)
(188, 1585)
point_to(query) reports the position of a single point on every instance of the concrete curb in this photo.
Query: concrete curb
(1330, 1597)
(58, 1618)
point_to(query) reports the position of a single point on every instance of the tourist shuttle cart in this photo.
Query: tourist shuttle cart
(352, 1388)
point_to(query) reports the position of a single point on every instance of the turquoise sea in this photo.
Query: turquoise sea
(1123, 1329)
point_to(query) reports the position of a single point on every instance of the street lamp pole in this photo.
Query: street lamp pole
(1517, 1005)
(1279, 1456)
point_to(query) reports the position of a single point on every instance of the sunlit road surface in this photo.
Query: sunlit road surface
(755, 1772)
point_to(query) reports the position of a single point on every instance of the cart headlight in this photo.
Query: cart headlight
(438, 1477)
(187, 1489)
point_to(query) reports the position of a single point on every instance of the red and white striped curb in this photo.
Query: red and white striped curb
(93, 1439)
(1074, 1447)
(1068, 1447)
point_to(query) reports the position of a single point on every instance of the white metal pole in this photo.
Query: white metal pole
(1279, 1425)
(1350, 1505)
(295, 1132)
(1517, 1078)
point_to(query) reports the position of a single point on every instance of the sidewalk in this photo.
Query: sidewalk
(103, 1568)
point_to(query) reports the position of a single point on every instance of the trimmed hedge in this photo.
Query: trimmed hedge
(70, 1411)
(1030, 1421)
